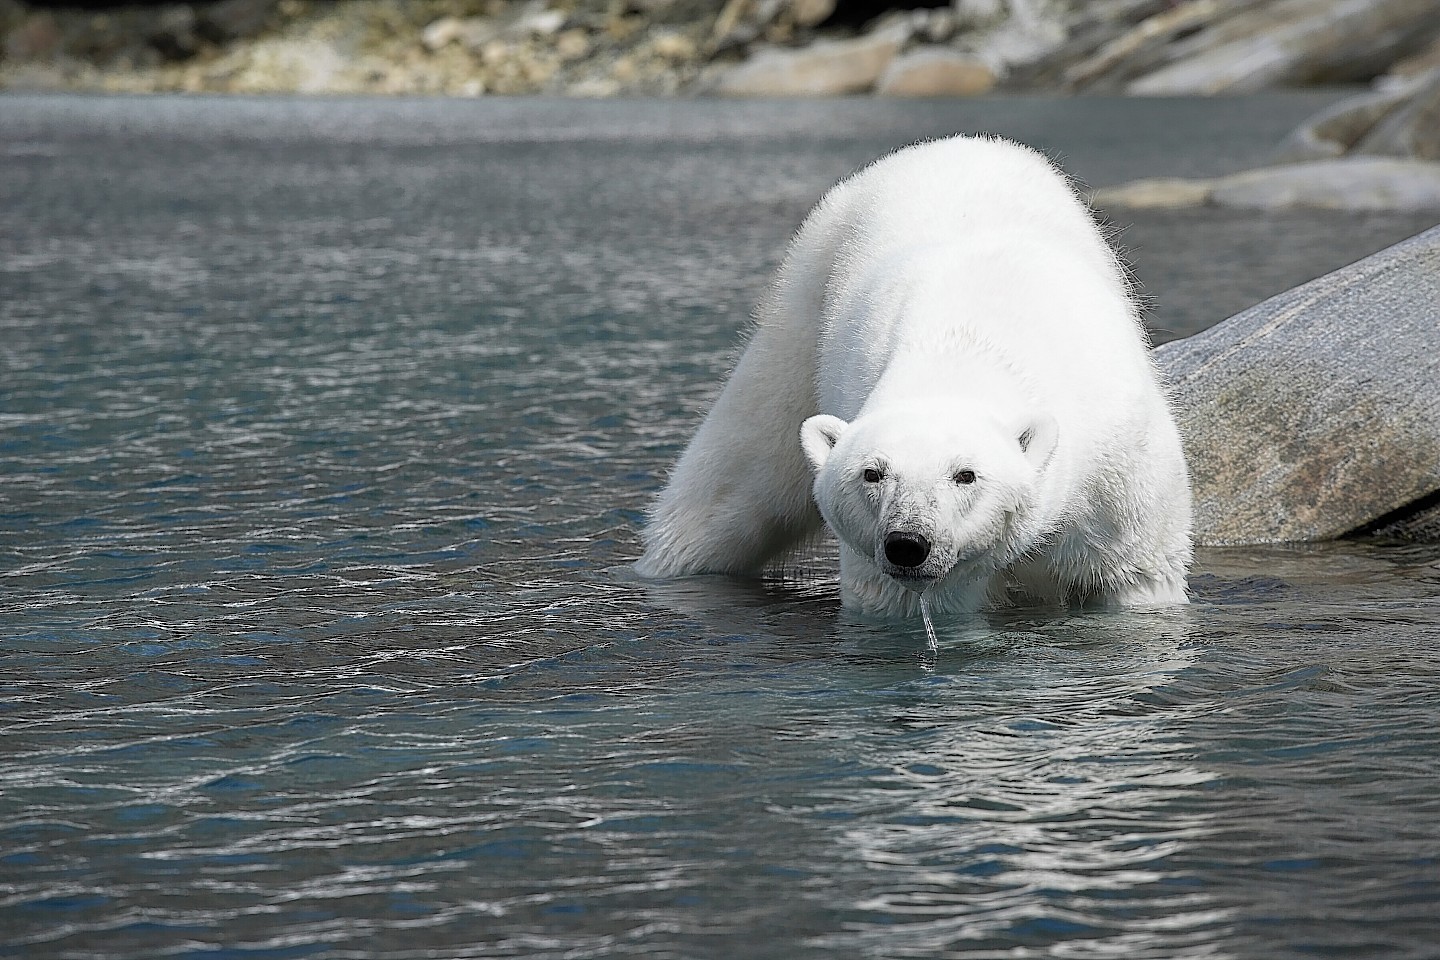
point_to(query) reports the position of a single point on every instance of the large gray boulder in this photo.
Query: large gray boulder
(1317, 413)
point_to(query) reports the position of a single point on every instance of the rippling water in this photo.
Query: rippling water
(325, 428)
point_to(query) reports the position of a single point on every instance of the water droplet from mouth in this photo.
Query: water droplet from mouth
(929, 627)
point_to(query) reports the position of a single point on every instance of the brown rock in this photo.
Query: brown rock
(443, 32)
(572, 45)
(935, 72)
(825, 68)
(672, 45)
(37, 38)
(1164, 193)
(231, 19)
(808, 13)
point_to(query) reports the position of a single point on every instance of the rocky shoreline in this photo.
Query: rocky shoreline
(1377, 151)
(712, 47)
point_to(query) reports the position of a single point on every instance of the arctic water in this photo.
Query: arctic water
(326, 428)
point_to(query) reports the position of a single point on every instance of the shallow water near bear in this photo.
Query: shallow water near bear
(326, 428)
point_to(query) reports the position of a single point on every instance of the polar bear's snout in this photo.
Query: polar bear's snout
(905, 549)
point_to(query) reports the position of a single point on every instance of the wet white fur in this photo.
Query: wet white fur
(952, 306)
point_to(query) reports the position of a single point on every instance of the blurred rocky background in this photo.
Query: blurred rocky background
(738, 48)
(1379, 150)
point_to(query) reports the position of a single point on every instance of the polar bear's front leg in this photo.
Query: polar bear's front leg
(740, 494)
(1146, 592)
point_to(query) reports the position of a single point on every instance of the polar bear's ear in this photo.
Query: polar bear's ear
(1038, 439)
(818, 437)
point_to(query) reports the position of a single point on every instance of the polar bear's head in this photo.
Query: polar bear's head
(923, 492)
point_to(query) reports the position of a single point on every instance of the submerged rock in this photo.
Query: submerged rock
(1317, 413)
(1347, 183)
(1352, 183)
(1160, 193)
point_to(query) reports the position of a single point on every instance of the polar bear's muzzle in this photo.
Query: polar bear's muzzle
(910, 559)
(905, 549)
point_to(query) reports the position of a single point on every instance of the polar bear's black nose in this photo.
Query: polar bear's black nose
(906, 549)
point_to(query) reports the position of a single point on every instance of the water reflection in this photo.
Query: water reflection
(1033, 808)
(1020, 786)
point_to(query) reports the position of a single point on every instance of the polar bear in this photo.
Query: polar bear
(949, 369)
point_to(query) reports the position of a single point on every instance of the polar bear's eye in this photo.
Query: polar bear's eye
(965, 476)
(871, 475)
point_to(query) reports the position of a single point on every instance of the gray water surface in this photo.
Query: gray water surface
(325, 432)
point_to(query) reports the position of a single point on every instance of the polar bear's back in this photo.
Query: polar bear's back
(967, 237)
(961, 275)
(930, 192)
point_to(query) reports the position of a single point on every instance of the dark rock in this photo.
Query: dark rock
(12, 14)
(1417, 522)
(1317, 412)
(174, 33)
(35, 38)
(233, 19)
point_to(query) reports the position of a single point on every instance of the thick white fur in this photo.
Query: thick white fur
(953, 306)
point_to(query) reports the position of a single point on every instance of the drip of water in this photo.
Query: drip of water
(929, 627)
